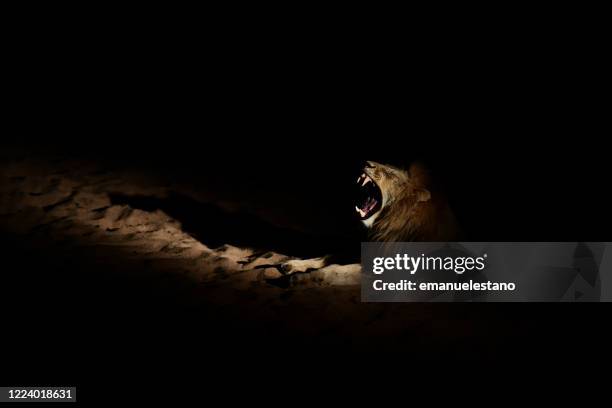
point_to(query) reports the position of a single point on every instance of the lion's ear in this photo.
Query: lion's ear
(423, 195)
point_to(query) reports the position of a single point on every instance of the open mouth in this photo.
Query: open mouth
(369, 197)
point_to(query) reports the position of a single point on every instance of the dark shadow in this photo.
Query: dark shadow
(215, 227)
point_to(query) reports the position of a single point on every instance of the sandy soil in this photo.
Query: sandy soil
(70, 208)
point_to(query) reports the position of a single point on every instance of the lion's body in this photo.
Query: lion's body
(405, 207)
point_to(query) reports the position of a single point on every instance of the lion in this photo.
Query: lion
(395, 205)
(402, 205)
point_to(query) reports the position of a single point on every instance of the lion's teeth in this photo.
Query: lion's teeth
(366, 181)
(362, 213)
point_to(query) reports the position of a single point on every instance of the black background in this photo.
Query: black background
(513, 126)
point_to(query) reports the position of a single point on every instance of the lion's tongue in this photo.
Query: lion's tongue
(369, 205)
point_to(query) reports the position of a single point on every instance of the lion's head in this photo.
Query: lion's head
(398, 205)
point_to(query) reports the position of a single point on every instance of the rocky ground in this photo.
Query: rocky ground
(95, 226)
